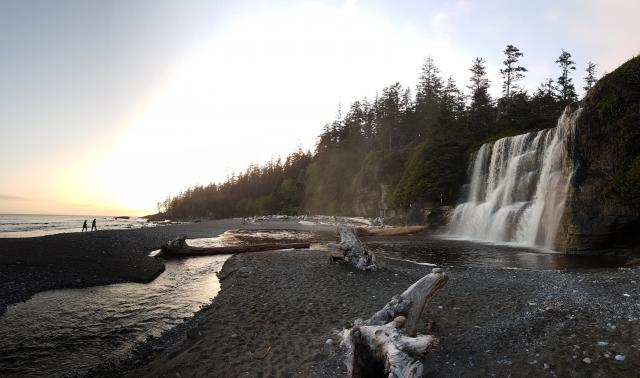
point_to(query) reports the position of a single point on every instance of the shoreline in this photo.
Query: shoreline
(74, 260)
(276, 311)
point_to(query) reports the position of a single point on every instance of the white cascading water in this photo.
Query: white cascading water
(518, 188)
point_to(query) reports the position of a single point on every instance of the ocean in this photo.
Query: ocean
(21, 225)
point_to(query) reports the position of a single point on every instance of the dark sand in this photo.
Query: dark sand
(277, 309)
(71, 260)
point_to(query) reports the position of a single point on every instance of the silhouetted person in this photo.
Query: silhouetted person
(93, 226)
(84, 226)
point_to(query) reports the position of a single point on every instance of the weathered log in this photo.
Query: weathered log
(179, 247)
(412, 303)
(384, 349)
(355, 251)
(387, 343)
(335, 253)
(396, 231)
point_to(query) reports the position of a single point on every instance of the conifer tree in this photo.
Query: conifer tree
(480, 110)
(429, 84)
(452, 100)
(566, 90)
(479, 84)
(590, 79)
(511, 72)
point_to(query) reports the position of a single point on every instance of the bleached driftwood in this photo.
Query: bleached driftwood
(388, 341)
(352, 250)
(396, 231)
(179, 247)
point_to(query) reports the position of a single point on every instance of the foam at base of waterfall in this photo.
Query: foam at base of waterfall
(517, 188)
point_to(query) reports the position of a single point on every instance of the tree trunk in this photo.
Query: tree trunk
(354, 250)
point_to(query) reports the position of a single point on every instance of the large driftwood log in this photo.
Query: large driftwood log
(387, 343)
(396, 231)
(352, 250)
(179, 247)
(412, 303)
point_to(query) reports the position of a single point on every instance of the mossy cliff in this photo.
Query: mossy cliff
(603, 205)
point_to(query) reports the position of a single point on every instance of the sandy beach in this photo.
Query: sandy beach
(71, 260)
(277, 309)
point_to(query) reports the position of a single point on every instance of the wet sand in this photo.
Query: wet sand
(72, 260)
(277, 309)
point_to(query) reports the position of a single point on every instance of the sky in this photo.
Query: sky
(107, 107)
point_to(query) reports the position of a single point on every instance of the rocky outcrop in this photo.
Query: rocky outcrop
(603, 203)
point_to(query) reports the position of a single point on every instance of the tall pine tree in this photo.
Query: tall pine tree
(590, 79)
(511, 74)
(566, 90)
(480, 110)
(428, 96)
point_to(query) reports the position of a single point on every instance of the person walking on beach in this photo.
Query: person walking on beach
(84, 226)
(93, 225)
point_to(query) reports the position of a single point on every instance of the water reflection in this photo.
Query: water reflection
(64, 332)
(452, 252)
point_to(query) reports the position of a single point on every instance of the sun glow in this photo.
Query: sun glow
(262, 88)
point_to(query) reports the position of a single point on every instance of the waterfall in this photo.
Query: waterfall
(517, 188)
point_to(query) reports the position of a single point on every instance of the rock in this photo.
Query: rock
(619, 357)
(436, 270)
(601, 208)
(328, 347)
(586, 360)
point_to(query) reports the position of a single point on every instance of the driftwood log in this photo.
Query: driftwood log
(396, 231)
(352, 250)
(179, 247)
(388, 344)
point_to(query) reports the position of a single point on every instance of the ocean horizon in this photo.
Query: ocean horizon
(32, 225)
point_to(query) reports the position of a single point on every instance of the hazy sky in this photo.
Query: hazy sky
(107, 107)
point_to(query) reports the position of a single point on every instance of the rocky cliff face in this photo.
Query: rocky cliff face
(603, 203)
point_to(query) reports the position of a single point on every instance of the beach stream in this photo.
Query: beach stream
(68, 332)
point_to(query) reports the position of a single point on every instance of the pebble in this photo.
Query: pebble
(619, 357)
(586, 360)
(602, 343)
(546, 365)
(626, 295)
